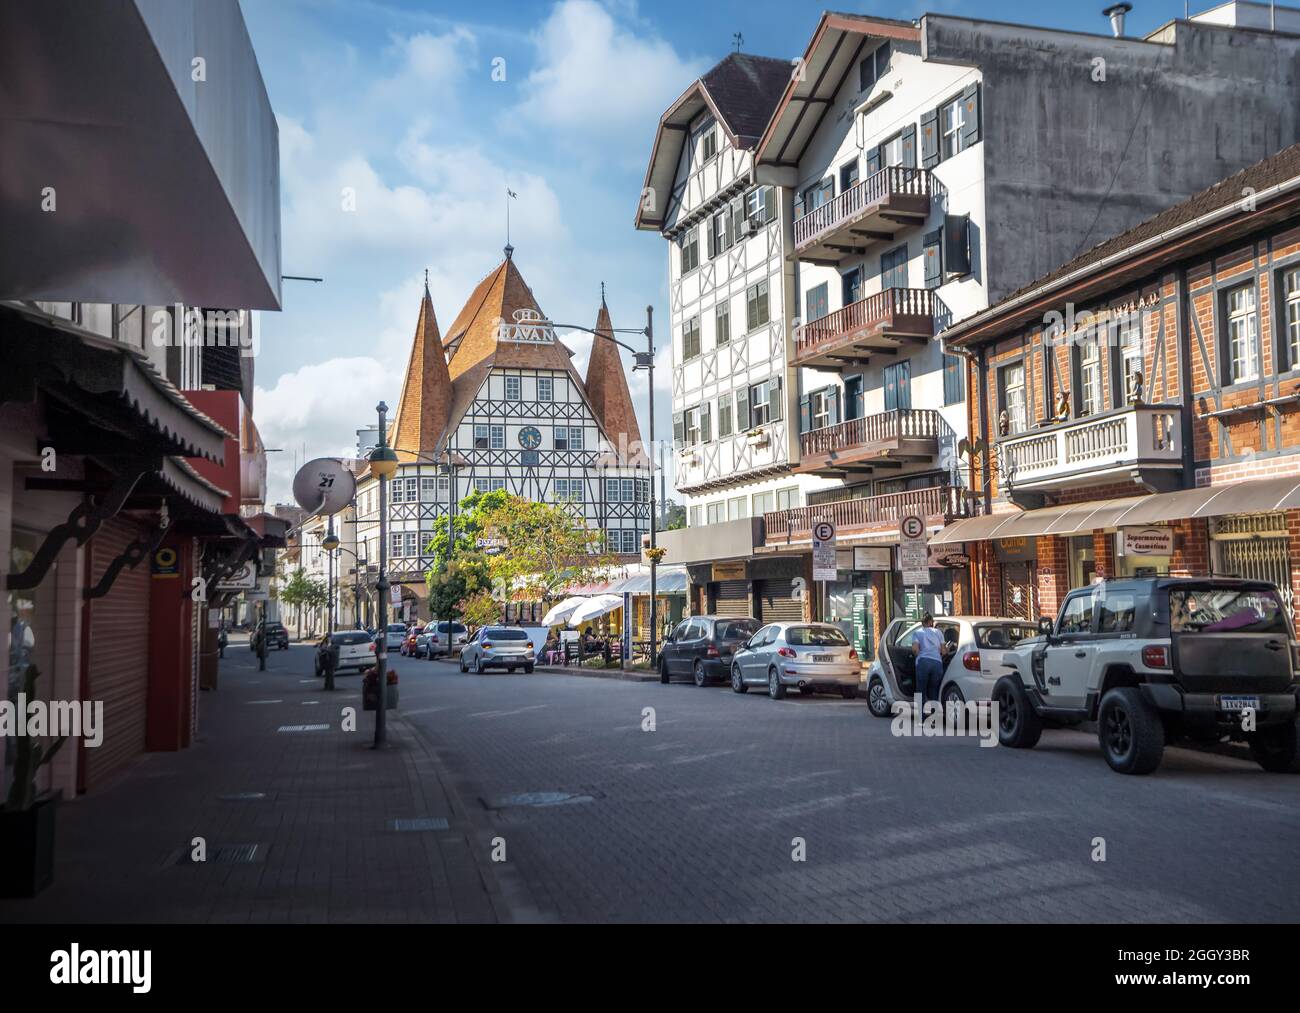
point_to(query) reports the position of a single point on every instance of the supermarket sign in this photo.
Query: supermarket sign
(1151, 541)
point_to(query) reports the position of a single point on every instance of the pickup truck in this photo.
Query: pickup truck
(1154, 659)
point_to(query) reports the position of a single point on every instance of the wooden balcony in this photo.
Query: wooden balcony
(888, 440)
(939, 504)
(872, 211)
(878, 324)
(1141, 443)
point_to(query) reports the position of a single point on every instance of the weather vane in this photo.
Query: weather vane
(510, 195)
(738, 39)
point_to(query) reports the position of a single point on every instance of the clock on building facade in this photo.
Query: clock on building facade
(530, 437)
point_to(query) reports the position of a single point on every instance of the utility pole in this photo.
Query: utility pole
(383, 462)
(654, 562)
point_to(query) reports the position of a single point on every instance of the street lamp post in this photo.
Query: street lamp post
(383, 462)
(644, 360)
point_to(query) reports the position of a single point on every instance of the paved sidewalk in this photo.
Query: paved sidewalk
(318, 803)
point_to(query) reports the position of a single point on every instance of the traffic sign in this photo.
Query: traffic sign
(913, 552)
(824, 565)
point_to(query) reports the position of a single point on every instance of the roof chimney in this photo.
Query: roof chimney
(1116, 14)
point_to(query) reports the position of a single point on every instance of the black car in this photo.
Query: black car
(702, 646)
(277, 637)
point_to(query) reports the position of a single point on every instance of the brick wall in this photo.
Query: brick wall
(1053, 573)
(1103, 553)
(1191, 556)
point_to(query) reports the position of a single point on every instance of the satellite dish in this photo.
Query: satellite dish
(324, 486)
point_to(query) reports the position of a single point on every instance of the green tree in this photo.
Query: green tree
(467, 525)
(543, 547)
(450, 585)
(480, 609)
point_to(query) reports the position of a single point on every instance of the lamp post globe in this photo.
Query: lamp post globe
(383, 462)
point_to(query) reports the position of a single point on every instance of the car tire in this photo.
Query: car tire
(952, 693)
(775, 687)
(1130, 731)
(877, 700)
(463, 669)
(849, 692)
(1277, 749)
(1019, 726)
(663, 671)
(701, 679)
(478, 665)
(528, 670)
(738, 681)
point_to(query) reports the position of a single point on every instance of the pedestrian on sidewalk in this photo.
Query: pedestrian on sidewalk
(222, 639)
(928, 646)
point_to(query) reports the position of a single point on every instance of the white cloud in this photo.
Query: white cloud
(320, 406)
(599, 82)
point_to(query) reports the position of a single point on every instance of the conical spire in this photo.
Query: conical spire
(423, 410)
(608, 392)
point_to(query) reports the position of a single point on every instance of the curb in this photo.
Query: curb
(586, 673)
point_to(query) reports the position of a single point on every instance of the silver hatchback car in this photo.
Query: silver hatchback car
(498, 647)
(812, 657)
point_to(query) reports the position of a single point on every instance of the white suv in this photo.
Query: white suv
(1152, 658)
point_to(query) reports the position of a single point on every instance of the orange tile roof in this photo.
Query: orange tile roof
(608, 392)
(425, 405)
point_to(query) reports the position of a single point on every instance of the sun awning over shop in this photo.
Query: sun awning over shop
(1261, 496)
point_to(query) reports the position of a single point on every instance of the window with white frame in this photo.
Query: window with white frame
(764, 503)
(545, 388)
(722, 322)
(693, 430)
(695, 516)
(513, 388)
(1243, 358)
(444, 483)
(628, 490)
(952, 117)
(497, 485)
(429, 488)
(1291, 288)
(568, 490)
(498, 440)
(611, 490)
(819, 409)
(764, 403)
(716, 512)
(1090, 395)
(481, 436)
(1131, 365)
(709, 142)
(891, 152)
(643, 490)
(690, 339)
(787, 498)
(482, 485)
(737, 508)
(1011, 383)
(688, 246)
(575, 437)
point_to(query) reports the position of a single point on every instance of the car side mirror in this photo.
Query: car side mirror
(1044, 626)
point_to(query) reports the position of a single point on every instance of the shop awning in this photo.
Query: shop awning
(594, 608)
(560, 613)
(1261, 496)
(669, 580)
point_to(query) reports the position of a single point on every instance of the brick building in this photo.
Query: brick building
(1138, 409)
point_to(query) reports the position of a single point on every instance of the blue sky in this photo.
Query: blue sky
(395, 101)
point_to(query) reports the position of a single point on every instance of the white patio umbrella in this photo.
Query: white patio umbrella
(561, 612)
(594, 608)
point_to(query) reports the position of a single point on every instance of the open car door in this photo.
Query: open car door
(896, 658)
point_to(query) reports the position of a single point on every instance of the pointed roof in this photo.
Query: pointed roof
(608, 392)
(425, 404)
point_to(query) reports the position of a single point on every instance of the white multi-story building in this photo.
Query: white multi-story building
(502, 401)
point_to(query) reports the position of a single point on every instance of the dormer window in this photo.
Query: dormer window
(874, 67)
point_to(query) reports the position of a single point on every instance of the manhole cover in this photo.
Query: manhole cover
(225, 854)
(303, 728)
(539, 799)
(421, 823)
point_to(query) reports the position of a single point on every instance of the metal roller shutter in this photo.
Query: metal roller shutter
(731, 598)
(118, 659)
(778, 604)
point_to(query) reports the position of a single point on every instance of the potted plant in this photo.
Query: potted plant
(757, 437)
(27, 818)
(370, 690)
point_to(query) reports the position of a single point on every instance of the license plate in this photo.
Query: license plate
(823, 657)
(1238, 703)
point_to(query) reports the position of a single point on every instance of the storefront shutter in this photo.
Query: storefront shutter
(118, 656)
(731, 598)
(777, 602)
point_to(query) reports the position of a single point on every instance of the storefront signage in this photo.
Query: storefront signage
(1145, 542)
(1016, 550)
(949, 560)
(824, 562)
(729, 571)
(243, 579)
(873, 557)
(166, 562)
(913, 552)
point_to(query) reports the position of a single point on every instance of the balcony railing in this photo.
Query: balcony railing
(1080, 451)
(877, 190)
(946, 502)
(894, 311)
(884, 429)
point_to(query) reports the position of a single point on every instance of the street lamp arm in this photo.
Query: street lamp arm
(606, 334)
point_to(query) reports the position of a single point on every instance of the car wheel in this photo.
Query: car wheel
(1277, 749)
(877, 699)
(738, 681)
(528, 670)
(952, 694)
(478, 665)
(663, 671)
(849, 692)
(1018, 724)
(318, 671)
(462, 664)
(1131, 733)
(701, 679)
(775, 687)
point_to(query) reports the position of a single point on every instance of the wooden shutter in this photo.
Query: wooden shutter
(833, 397)
(679, 428)
(742, 410)
(932, 246)
(874, 160)
(909, 146)
(712, 240)
(769, 204)
(706, 426)
(805, 414)
(970, 130)
(775, 410)
(956, 244)
(930, 139)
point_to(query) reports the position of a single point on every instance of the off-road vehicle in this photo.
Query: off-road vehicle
(1157, 658)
